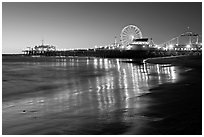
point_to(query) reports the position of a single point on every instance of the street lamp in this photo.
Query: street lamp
(171, 46)
(188, 46)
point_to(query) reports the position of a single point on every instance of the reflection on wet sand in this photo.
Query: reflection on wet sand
(88, 87)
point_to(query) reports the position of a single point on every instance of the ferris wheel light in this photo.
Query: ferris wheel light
(132, 37)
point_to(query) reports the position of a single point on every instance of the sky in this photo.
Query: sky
(69, 25)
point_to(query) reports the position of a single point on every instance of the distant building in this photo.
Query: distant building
(141, 44)
(45, 48)
(192, 47)
(37, 50)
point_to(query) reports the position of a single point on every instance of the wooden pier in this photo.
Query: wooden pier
(140, 54)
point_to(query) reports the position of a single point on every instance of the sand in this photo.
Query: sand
(185, 61)
(179, 104)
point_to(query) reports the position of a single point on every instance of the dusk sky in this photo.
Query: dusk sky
(84, 25)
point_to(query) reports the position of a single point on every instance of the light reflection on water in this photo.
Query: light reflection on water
(81, 86)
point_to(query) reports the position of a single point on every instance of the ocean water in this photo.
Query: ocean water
(76, 95)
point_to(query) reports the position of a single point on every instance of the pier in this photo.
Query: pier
(132, 45)
(137, 54)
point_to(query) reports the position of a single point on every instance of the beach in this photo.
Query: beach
(96, 96)
(102, 68)
(179, 104)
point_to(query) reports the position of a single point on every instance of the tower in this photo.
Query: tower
(151, 42)
(42, 42)
(189, 35)
(115, 41)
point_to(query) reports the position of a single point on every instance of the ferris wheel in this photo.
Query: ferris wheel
(129, 33)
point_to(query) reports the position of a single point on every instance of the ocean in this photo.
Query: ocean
(78, 95)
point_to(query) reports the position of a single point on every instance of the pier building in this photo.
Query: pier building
(141, 44)
(184, 42)
(39, 49)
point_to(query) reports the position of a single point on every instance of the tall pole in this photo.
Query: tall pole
(115, 41)
(42, 42)
(189, 36)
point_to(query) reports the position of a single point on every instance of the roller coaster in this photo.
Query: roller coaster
(185, 41)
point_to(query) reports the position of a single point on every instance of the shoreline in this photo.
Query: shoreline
(178, 104)
(183, 60)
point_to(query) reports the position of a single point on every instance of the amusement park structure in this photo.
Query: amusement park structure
(185, 41)
(131, 41)
(40, 49)
(129, 34)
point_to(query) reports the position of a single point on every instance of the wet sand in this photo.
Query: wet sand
(179, 104)
(185, 61)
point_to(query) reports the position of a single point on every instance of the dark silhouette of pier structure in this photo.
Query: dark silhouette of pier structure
(138, 49)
